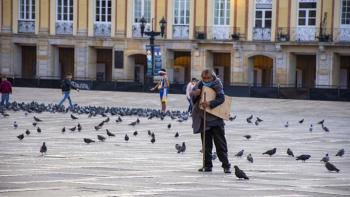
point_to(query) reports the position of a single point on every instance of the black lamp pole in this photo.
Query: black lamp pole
(152, 34)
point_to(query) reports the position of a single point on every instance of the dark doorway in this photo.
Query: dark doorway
(66, 61)
(104, 64)
(305, 71)
(29, 62)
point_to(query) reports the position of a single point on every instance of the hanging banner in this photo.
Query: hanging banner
(157, 60)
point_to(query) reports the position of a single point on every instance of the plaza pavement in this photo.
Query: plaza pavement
(140, 168)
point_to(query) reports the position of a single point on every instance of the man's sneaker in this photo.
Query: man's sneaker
(206, 169)
(227, 170)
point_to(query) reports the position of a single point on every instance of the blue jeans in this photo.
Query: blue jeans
(5, 97)
(66, 96)
(190, 105)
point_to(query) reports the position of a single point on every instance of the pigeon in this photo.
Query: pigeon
(138, 121)
(153, 135)
(73, 129)
(15, 125)
(153, 140)
(258, 119)
(303, 157)
(101, 138)
(20, 137)
(239, 154)
(290, 152)
(182, 148)
(169, 125)
(256, 123)
(311, 126)
(149, 132)
(325, 158)
(133, 123)
(79, 127)
(232, 118)
(301, 121)
(97, 128)
(249, 119)
(63, 129)
(325, 128)
(88, 140)
(43, 149)
(118, 119)
(110, 134)
(176, 134)
(240, 174)
(330, 167)
(135, 133)
(250, 158)
(73, 117)
(27, 132)
(37, 119)
(178, 148)
(107, 120)
(321, 122)
(286, 125)
(38, 130)
(247, 137)
(340, 153)
(126, 138)
(270, 152)
(34, 124)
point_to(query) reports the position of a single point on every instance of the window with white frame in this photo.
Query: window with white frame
(64, 10)
(222, 12)
(263, 15)
(142, 8)
(307, 13)
(27, 10)
(103, 11)
(345, 13)
(181, 12)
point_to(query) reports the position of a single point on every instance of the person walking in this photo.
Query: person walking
(215, 126)
(66, 86)
(5, 90)
(163, 87)
(189, 88)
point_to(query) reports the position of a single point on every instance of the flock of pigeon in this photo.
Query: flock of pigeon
(119, 112)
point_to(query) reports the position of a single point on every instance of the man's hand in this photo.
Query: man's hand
(205, 104)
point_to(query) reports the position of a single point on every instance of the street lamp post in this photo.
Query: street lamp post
(152, 34)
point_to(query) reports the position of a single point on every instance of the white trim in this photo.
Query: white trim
(341, 13)
(25, 11)
(307, 11)
(185, 8)
(70, 2)
(143, 3)
(227, 6)
(100, 11)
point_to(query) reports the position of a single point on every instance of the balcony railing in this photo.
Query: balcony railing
(25, 26)
(262, 34)
(136, 29)
(218, 32)
(102, 29)
(64, 27)
(304, 34)
(342, 35)
(181, 31)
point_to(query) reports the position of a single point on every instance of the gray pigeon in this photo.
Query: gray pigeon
(331, 167)
(240, 174)
(110, 134)
(340, 153)
(43, 149)
(250, 158)
(303, 157)
(270, 152)
(101, 138)
(290, 152)
(325, 158)
(239, 154)
(88, 140)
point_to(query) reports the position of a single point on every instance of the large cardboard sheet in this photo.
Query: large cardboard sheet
(223, 110)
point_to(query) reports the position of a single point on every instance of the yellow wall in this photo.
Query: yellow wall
(161, 9)
(44, 16)
(83, 16)
(6, 11)
(241, 14)
(121, 11)
(200, 12)
(327, 7)
(283, 13)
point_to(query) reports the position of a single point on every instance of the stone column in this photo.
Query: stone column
(281, 69)
(6, 63)
(324, 66)
(197, 62)
(169, 62)
(237, 70)
(43, 66)
(81, 60)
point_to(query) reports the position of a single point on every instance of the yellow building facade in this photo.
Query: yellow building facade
(303, 43)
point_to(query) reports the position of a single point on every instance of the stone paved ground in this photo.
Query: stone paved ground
(139, 168)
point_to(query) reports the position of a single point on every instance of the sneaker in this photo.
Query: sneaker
(205, 169)
(227, 170)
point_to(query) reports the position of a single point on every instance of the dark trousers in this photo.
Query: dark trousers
(216, 134)
(190, 105)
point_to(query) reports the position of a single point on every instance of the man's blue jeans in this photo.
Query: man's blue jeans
(5, 97)
(66, 96)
